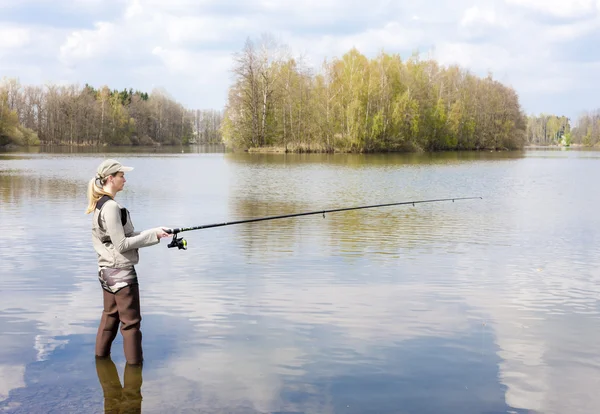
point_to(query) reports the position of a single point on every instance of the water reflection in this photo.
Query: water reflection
(420, 375)
(242, 375)
(146, 150)
(14, 188)
(292, 186)
(476, 306)
(126, 398)
(373, 160)
(384, 231)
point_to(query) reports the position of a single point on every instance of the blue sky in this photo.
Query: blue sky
(547, 50)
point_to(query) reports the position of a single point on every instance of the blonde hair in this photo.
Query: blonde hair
(95, 192)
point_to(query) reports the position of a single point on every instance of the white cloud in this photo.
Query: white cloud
(560, 8)
(570, 32)
(389, 37)
(480, 58)
(90, 44)
(134, 9)
(186, 46)
(181, 61)
(74, 12)
(477, 16)
(13, 37)
(190, 29)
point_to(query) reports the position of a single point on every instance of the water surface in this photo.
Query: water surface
(482, 306)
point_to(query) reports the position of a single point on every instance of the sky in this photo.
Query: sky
(547, 50)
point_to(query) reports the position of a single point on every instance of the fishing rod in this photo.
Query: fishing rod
(181, 243)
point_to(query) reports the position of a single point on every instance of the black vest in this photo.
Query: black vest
(99, 206)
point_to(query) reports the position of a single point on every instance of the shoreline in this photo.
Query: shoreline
(282, 150)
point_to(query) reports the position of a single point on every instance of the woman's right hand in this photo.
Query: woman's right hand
(161, 232)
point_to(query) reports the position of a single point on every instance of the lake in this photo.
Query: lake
(473, 306)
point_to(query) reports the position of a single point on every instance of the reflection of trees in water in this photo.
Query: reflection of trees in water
(374, 160)
(116, 150)
(19, 187)
(271, 236)
(277, 184)
(378, 231)
(381, 231)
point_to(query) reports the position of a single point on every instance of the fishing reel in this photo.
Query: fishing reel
(178, 242)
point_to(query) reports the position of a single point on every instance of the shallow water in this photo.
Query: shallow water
(476, 306)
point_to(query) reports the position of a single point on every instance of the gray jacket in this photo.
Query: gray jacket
(116, 243)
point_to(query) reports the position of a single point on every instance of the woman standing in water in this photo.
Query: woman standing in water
(117, 244)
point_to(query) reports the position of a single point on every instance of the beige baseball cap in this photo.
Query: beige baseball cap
(109, 167)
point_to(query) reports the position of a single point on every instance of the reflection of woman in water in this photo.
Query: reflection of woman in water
(117, 244)
(117, 399)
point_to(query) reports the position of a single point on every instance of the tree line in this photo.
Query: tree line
(587, 131)
(351, 104)
(556, 130)
(73, 115)
(547, 129)
(365, 105)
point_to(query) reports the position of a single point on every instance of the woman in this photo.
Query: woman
(117, 244)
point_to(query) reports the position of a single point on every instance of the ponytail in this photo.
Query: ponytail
(95, 193)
